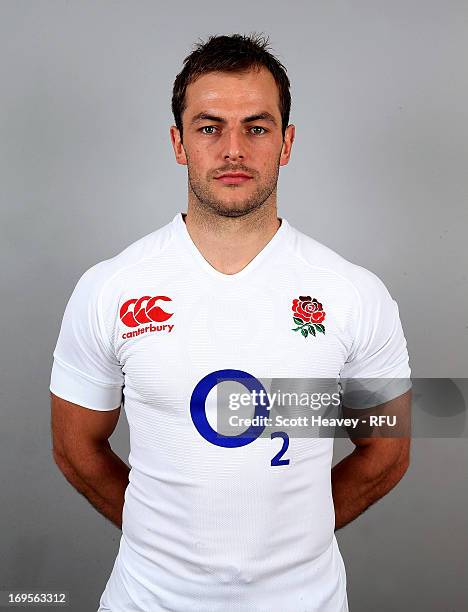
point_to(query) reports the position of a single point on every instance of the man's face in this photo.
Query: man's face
(232, 123)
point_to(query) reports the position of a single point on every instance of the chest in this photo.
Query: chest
(165, 346)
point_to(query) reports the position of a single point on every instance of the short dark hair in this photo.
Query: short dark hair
(235, 53)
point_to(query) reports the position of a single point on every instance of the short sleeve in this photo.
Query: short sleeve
(378, 360)
(84, 369)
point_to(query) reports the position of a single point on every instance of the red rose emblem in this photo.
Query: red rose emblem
(308, 309)
(308, 313)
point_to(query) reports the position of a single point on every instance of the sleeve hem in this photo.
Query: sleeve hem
(364, 393)
(73, 386)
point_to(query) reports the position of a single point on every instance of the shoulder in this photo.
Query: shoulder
(98, 276)
(361, 281)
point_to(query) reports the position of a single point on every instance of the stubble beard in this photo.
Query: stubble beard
(208, 200)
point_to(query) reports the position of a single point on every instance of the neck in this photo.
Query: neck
(231, 243)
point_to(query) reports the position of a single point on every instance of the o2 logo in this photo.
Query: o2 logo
(198, 413)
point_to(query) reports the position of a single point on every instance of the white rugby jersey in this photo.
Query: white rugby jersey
(209, 527)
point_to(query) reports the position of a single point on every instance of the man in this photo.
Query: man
(211, 523)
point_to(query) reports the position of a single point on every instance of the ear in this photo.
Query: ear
(177, 145)
(289, 135)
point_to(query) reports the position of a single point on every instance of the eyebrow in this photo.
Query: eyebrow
(264, 115)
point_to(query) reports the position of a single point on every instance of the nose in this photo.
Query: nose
(233, 147)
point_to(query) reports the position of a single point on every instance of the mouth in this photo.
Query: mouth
(232, 178)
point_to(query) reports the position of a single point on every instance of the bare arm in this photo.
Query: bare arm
(374, 467)
(83, 454)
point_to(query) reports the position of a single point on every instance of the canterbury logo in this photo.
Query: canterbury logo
(135, 312)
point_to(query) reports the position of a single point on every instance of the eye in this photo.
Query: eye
(207, 127)
(259, 127)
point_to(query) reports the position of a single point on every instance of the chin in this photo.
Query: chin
(234, 209)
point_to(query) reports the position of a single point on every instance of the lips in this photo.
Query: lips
(234, 177)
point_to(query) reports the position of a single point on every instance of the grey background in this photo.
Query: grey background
(378, 173)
